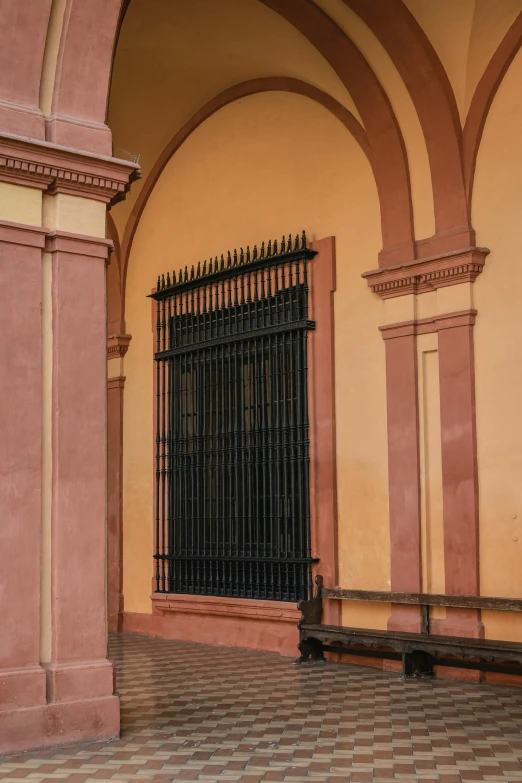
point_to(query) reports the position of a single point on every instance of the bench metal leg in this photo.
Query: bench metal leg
(417, 664)
(311, 653)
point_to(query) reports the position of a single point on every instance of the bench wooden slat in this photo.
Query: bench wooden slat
(424, 599)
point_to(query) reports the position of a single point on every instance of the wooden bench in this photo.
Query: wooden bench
(419, 652)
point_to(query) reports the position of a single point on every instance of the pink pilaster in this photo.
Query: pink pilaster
(114, 501)
(321, 395)
(459, 470)
(79, 669)
(403, 470)
(22, 680)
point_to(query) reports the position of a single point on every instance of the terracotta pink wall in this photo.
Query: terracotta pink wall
(20, 454)
(24, 26)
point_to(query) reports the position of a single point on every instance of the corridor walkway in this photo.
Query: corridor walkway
(192, 712)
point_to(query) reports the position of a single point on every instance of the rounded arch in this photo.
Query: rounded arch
(384, 135)
(483, 98)
(427, 82)
(82, 77)
(21, 57)
(75, 97)
(242, 90)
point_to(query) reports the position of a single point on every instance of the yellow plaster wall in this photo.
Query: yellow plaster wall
(498, 351)
(261, 167)
(491, 22)
(432, 526)
(174, 57)
(75, 214)
(20, 204)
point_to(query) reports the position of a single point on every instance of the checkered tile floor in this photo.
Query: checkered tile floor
(192, 712)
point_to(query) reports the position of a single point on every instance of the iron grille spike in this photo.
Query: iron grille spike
(296, 245)
(254, 256)
(162, 282)
(229, 259)
(185, 275)
(168, 279)
(269, 248)
(303, 241)
(198, 273)
(283, 245)
(180, 276)
(262, 255)
(235, 256)
(275, 253)
(204, 272)
(192, 272)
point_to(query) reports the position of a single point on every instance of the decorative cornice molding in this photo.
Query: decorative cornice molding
(58, 169)
(429, 325)
(428, 274)
(118, 345)
(116, 383)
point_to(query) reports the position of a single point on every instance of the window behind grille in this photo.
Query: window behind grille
(232, 457)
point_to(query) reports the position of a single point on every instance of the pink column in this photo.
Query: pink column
(403, 471)
(459, 468)
(22, 680)
(321, 386)
(79, 669)
(114, 501)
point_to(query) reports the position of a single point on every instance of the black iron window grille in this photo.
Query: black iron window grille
(232, 448)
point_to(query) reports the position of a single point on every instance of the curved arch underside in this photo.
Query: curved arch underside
(83, 70)
(483, 98)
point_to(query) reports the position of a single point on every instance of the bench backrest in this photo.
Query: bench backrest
(423, 599)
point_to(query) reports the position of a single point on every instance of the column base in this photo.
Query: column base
(405, 618)
(459, 622)
(79, 680)
(24, 687)
(59, 724)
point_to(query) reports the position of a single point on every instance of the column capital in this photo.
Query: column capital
(118, 345)
(57, 169)
(428, 274)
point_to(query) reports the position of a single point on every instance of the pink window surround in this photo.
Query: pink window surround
(272, 625)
